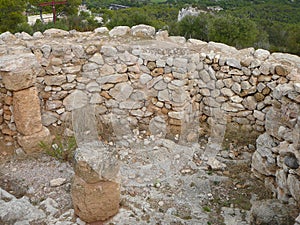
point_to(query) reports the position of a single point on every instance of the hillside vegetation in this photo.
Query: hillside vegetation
(268, 24)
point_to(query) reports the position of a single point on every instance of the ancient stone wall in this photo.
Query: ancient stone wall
(135, 77)
(139, 75)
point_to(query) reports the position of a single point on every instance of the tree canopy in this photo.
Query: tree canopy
(11, 14)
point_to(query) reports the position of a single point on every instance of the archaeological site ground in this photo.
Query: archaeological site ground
(133, 126)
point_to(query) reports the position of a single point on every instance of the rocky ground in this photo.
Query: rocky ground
(162, 183)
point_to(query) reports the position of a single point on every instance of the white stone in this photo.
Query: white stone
(119, 31)
(57, 182)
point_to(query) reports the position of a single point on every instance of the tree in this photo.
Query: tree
(238, 32)
(194, 27)
(71, 8)
(11, 14)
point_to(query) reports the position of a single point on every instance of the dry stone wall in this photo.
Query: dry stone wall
(135, 77)
(139, 75)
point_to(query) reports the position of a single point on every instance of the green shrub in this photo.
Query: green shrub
(61, 149)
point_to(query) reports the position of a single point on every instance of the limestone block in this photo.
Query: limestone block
(273, 122)
(108, 50)
(233, 63)
(115, 78)
(94, 162)
(264, 145)
(262, 166)
(119, 31)
(27, 111)
(95, 202)
(53, 32)
(106, 70)
(293, 183)
(262, 54)
(158, 126)
(32, 142)
(121, 91)
(75, 100)
(97, 58)
(143, 31)
(19, 71)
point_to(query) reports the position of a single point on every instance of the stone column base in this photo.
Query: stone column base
(95, 202)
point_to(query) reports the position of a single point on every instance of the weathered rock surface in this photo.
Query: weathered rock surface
(27, 111)
(271, 212)
(95, 188)
(19, 71)
(18, 211)
(31, 143)
(95, 201)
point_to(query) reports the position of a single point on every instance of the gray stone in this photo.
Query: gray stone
(204, 75)
(78, 51)
(259, 115)
(50, 207)
(179, 95)
(106, 70)
(121, 91)
(101, 30)
(119, 31)
(94, 162)
(291, 161)
(145, 78)
(233, 63)
(19, 210)
(55, 80)
(75, 100)
(96, 98)
(264, 145)
(294, 186)
(57, 182)
(19, 71)
(227, 92)
(245, 85)
(232, 107)
(250, 103)
(143, 31)
(180, 62)
(158, 126)
(129, 104)
(90, 67)
(128, 58)
(262, 54)
(270, 211)
(93, 87)
(236, 87)
(164, 95)
(97, 58)
(109, 51)
(53, 32)
(282, 90)
(71, 69)
(161, 85)
(49, 118)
